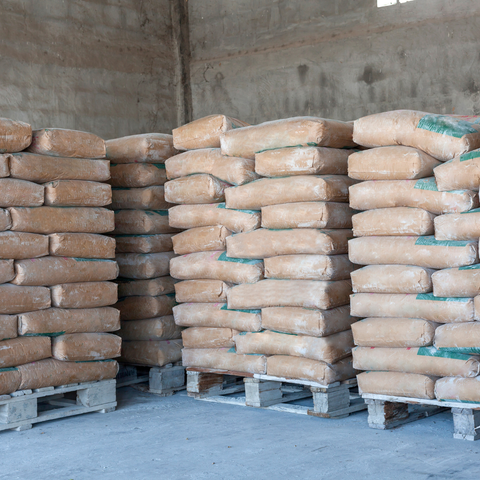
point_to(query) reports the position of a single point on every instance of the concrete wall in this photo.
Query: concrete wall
(260, 60)
(105, 66)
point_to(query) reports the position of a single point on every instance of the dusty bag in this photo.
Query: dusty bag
(81, 245)
(204, 132)
(420, 251)
(391, 163)
(216, 266)
(307, 215)
(15, 136)
(161, 328)
(55, 321)
(137, 175)
(143, 148)
(201, 291)
(77, 193)
(14, 299)
(67, 219)
(288, 132)
(302, 161)
(42, 168)
(264, 243)
(4, 165)
(140, 222)
(20, 193)
(421, 193)
(7, 271)
(191, 216)
(311, 370)
(205, 337)
(458, 389)
(398, 384)
(224, 359)
(458, 226)
(301, 188)
(83, 347)
(459, 337)
(308, 267)
(201, 239)
(8, 327)
(441, 136)
(152, 287)
(393, 221)
(56, 270)
(141, 266)
(200, 188)
(5, 220)
(142, 307)
(393, 332)
(307, 321)
(232, 170)
(147, 198)
(144, 243)
(216, 315)
(84, 295)
(20, 350)
(18, 245)
(460, 173)
(423, 305)
(290, 293)
(155, 353)
(392, 279)
(457, 282)
(10, 379)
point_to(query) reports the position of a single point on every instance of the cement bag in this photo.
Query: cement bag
(393, 221)
(216, 266)
(458, 226)
(283, 162)
(441, 136)
(422, 305)
(151, 287)
(15, 136)
(83, 347)
(391, 163)
(194, 189)
(216, 315)
(42, 168)
(20, 193)
(8, 327)
(204, 337)
(147, 198)
(143, 148)
(141, 266)
(307, 215)
(24, 350)
(308, 267)
(15, 299)
(201, 291)
(311, 370)
(10, 379)
(458, 389)
(423, 360)
(421, 193)
(151, 329)
(392, 279)
(155, 353)
(201, 239)
(53, 373)
(224, 359)
(56, 270)
(55, 321)
(144, 243)
(264, 243)
(307, 321)
(420, 251)
(326, 349)
(139, 222)
(459, 337)
(81, 245)
(232, 170)
(68, 219)
(457, 282)
(5, 220)
(77, 193)
(411, 385)
(7, 271)
(142, 307)
(290, 293)
(204, 132)
(4, 165)
(18, 245)
(393, 332)
(460, 173)
(137, 175)
(288, 132)
(191, 216)
(84, 295)
(301, 188)
(61, 142)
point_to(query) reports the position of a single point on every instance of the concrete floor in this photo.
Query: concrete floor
(177, 437)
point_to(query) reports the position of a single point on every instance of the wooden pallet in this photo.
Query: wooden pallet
(337, 400)
(162, 381)
(386, 412)
(20, 410)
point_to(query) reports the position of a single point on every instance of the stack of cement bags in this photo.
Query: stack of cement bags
(418, 242)
(55, 267)
(144, 249)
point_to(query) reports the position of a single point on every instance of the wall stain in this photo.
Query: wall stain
(302, 73)
(371, 75)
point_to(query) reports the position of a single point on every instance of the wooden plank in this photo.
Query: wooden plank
(294, 380)
(220, 372)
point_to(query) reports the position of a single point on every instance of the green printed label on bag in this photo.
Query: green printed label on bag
(470, 267)
(445, 125)
(251, 212)
(160, 166)
(430, 240)
(9, 369)
(434, 352)
(253, 312)
(475, 210)
(247, 261)
(92, 259)
(54, 334)
(429, 296)
(426, 184)
(463, 350)
(163, 213)
(470, 155)
(456, 401)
